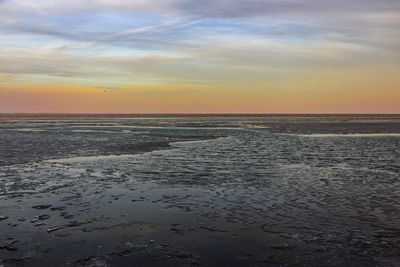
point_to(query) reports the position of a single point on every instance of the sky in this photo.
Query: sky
(200, 56)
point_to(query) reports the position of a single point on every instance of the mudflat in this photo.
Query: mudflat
(209, 190)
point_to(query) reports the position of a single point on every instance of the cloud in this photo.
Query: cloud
(239, 8)
(7, 77)
(159, 24)
(248, 62)
(8, 90)
(210, 8)
(123, 42)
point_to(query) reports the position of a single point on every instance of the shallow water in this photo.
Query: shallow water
(352, 135)
(209, 191)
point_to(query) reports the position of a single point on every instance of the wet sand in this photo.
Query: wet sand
(211, 192)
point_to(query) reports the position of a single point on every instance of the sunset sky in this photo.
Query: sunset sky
(200, 56)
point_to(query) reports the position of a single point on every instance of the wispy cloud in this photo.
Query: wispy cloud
(212, 8)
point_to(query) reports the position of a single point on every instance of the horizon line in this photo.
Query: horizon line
(190, 113)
